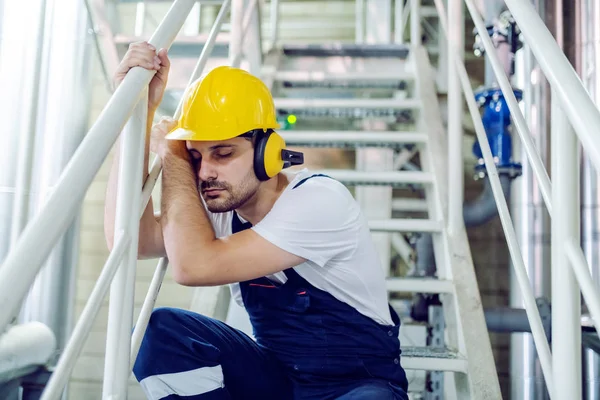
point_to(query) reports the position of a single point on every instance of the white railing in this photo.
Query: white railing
(126, 108)
(571, 106)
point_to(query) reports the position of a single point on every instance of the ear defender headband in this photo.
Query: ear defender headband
(271, 156)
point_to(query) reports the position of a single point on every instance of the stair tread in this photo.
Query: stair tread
(352, 138)
(348, 176)
(418, 285)
(433, 359)
(430, 352)
(324, 76)
(346, 49)
(304, 103)
(405, 225)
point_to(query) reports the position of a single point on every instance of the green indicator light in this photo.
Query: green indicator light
(291, 119)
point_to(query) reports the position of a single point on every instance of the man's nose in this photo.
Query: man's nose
(207, 171)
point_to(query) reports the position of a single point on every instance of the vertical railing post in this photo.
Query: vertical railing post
(274, 20)
(359, 21)
(237, 21)
(120, 313)
(398, 22)
(455, 40)
(415, 23)
(566, 309)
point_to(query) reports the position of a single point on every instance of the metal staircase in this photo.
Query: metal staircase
(371, 99)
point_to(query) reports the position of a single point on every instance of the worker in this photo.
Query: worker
(293, 246)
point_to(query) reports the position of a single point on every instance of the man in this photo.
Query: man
(294, 247)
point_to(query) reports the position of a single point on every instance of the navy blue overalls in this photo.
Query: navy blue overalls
(309, 346)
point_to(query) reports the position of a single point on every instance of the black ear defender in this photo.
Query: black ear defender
(271, 156)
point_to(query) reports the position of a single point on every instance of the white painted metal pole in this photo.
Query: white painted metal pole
(455, 115)
(574, 98)
(415, 22)
(26, 147)
(248, 14)
(22, 264)
(68, 359)
(147, 307)
(590, 292)
(398, 21)
(274, 20)
(566, 309)
(120, 313)
(360, 20)
(515, 111)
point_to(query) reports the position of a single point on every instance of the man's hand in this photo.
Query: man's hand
(162, 147)
(143, 54)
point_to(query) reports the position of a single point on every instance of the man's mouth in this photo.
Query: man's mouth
(212, 192)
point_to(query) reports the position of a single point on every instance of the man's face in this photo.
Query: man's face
(226, 178)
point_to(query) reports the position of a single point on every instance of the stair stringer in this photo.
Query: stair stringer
(463, 311)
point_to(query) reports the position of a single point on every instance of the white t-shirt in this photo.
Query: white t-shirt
(319, 220)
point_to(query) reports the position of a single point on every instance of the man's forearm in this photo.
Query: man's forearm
(184, 220)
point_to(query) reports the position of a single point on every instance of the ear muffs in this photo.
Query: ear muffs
(271, 156)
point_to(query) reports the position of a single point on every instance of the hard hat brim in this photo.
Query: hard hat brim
(186, 134)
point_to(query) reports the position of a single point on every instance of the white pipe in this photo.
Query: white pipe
(26, 149)
(250, 9)
(455, 115)
(575, 100)
(147, 307)
(60, 376)
(517, 116)
(274, 21)
(359, 20)
(537, 328)
(398, 21)
(404, 250)
(581, 269)
(23, 263)
(566, 310)
(237, 38)
(415, 23)
(409, 205)
(122, 293)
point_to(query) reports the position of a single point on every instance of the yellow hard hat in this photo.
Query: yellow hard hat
(226, 103)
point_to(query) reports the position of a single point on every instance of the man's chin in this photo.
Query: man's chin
(215, 206)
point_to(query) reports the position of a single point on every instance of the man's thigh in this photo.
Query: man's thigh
(180, 346)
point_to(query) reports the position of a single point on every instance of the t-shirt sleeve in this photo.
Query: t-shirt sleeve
(316, 221)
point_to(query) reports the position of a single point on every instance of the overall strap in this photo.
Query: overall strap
(237, 225)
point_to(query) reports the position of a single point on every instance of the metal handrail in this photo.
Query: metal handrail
(24, 261)
(537, 328)
(568, 97)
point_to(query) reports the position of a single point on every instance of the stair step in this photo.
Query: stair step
(433, 359)
(419, 285)
(352, 138)
(405, 225)
(380, 178)
(324, 76)
(308, 103)
(346, 50)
